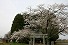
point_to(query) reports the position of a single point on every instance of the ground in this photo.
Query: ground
(13, 44)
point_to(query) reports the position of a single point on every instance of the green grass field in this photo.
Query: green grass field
(13, 44)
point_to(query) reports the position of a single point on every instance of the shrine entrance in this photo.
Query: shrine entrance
(38, 39)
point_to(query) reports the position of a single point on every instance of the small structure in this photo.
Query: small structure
(34, 36)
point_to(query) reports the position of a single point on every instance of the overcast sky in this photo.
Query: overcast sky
(9, 8)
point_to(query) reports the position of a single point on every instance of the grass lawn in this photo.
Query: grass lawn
(13, 44)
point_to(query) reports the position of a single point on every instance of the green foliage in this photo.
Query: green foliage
(18, 23)
(13, 44)
(40, 21)
(53, 28)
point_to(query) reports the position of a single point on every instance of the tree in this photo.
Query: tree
(52, 28)
(61, 12)
(21, 36)
(18, 23)
(44, 21)
(48, 21)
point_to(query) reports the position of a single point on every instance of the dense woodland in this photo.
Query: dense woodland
(51, 20)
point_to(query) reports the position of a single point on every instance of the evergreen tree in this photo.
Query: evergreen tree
(18, 23)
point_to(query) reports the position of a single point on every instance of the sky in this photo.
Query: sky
(9, 8)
